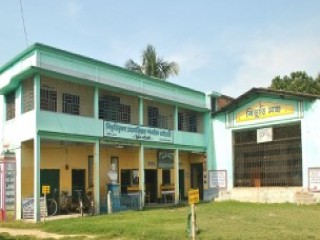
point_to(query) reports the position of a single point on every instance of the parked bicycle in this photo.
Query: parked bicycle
(80, 203)
(52, 205)
(85, 202)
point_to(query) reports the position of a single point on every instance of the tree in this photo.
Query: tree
(298, 81)
(152, 65)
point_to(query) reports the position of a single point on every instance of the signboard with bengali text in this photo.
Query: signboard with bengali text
(137, 132)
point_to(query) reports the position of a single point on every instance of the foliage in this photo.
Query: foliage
(297, 82)
(152, 65)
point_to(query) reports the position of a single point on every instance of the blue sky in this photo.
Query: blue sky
(228, 46)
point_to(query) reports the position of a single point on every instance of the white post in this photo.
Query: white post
(109, 206)
(141, 174)
(193, 222)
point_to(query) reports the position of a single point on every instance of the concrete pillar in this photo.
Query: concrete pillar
(176, 176)
(18, 183)
(141, 173)
(140, 111)
(36, 149)
(175, 118)
(96, 103)
(97, 177)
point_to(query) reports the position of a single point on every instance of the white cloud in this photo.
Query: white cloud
(269, 58)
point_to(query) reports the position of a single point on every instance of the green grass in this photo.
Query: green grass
(216, 220)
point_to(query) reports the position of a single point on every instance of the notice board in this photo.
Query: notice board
(218, 179)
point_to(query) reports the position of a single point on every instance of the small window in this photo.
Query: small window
(153, 116)
(48, 99)
(166, 177)
(10, 106)
(71, 104)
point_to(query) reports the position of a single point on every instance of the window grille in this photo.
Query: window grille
(111, 109)
(188, 121)
(155, 119)
(153, 116)
(27, 96)
(71, 104)
(48, 99)
(275, 163)
(10, 105)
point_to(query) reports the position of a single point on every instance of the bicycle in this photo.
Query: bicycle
(65, 202)
(85, 203)
(52, 205)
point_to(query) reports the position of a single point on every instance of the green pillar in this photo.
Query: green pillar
(209, 139)
(140, 111)
(96, 103)
(175, 118)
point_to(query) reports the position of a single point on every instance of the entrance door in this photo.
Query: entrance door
(197, 177)
(181, 183)
(151, 183)
(50, 177)
(78, 181)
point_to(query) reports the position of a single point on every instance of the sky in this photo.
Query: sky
(225, 46)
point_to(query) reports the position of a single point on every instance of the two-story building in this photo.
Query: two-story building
(69, 118)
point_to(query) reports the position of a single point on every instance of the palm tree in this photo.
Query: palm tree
(152, 65)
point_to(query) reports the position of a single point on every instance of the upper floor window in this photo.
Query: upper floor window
(153, 116)
(71, 104)
(188, 121)
(111, 109)
(48, 99)
(10, 105)
(27, 95)
(155, 119)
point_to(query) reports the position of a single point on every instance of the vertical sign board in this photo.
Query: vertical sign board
(314, 179)
(218, 179)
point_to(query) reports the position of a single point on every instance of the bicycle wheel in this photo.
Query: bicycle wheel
(89, 209)
(52, 207)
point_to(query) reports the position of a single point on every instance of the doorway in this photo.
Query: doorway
(197, 178)
(151, 184)
(181, 184)
(78, 181)
(50, 177)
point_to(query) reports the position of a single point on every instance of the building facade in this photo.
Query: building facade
(266, 147)
(69, 118)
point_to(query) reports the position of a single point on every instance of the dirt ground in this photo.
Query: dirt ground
(37, 233)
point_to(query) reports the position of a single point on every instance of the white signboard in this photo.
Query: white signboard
(137, 132)
(314, 179)
(217, 179)
(264, 135)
